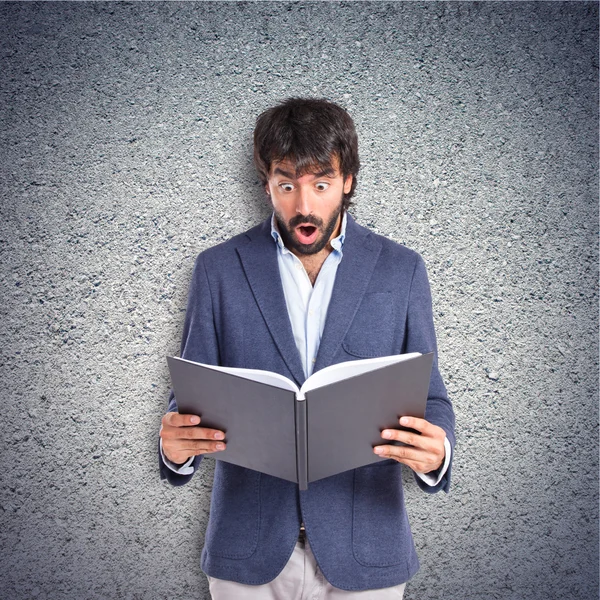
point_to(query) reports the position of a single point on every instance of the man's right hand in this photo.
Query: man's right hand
(181, 438)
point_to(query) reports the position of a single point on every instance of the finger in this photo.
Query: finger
(418, 460)
(175, 419)
(191, 433)
(422, 425)
(190, 447)
(179, 453)
(410, 438)
(402, 453)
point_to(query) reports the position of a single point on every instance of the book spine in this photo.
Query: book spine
(301, 443)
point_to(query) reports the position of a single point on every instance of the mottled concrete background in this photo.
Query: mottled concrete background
(125, 150)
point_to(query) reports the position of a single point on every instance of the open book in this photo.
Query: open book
(327, 426)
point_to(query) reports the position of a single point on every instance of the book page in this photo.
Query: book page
(351, 368)
(266, 377)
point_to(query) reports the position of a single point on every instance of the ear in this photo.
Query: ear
(348, 183)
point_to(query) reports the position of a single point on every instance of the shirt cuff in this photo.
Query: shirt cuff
(434, 478)
(184, 469)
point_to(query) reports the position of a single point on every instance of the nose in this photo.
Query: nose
(303, 205)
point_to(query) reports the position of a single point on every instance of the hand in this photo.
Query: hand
(424, 453)
(181, 439)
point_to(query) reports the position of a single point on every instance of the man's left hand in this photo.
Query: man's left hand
(423, 453)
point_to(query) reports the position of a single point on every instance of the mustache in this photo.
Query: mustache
(298, 219)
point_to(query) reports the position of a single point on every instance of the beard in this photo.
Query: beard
(288, 233)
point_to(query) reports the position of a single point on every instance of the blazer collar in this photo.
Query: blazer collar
(259, 260)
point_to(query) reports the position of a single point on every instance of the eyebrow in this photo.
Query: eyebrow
(326, 172)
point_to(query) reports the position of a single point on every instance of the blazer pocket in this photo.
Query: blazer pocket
(234, 521)
(380, 531)
(371, 331)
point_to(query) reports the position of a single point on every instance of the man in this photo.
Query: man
(308, 288)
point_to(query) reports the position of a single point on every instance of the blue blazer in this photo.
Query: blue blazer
(356, 521)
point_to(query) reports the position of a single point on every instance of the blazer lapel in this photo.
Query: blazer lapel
(259, 260)
(361, 250)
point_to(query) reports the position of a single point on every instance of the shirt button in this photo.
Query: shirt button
(314, 360)
(299, 266)
(311, 312)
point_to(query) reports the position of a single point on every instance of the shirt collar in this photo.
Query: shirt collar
(336, 243)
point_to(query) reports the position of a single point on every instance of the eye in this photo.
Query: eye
(322, 186)
(286, 187)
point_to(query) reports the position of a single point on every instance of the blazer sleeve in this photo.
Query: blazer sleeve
(420, 337)
(199, 343)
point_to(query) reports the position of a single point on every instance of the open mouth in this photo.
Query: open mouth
(307, 234)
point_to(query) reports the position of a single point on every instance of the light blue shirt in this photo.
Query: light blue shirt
(307, 304)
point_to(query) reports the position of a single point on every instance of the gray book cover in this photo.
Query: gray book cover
(303, 436)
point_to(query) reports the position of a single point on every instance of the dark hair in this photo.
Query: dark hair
(308, 132)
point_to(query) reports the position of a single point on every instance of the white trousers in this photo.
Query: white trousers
(301, 579)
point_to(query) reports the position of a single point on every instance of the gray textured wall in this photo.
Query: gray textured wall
(125, 150)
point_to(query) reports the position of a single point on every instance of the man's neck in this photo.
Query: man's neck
(313, 262)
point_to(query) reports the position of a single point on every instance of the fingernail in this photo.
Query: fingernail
(386, 434)
(195, 420)
(220, 446)
(219, 436)
(404, 421)
(378, 450)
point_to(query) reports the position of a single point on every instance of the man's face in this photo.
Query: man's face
(307, 208)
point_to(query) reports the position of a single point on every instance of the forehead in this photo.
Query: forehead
(288, 168)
